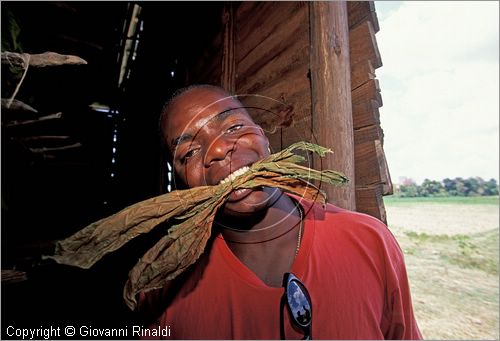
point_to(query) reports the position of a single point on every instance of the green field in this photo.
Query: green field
(451, 248)
(486, 200)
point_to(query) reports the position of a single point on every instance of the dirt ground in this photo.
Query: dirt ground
(443, 219)
(451, 254)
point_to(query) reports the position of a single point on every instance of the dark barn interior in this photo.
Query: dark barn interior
(91, 148)
(83, 84)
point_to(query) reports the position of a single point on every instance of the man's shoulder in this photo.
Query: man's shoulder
(330, 211)
(345, 221)
(358, 230)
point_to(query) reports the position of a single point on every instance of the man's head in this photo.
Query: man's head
(210, 135)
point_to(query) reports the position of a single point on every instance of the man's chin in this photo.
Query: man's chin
(248, 202)
(238, 195)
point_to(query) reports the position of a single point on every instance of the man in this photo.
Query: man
(343, 272)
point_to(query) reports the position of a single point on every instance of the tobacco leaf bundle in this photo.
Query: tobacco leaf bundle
(195, 210)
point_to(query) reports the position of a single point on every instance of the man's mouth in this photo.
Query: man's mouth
(231, 177)
(240, 193)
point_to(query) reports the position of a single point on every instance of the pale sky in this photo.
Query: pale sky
(440, 88)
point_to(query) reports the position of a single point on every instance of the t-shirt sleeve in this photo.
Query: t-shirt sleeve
(398, 320)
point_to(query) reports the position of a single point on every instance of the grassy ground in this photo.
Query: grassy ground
(453, 269)
(490, 200)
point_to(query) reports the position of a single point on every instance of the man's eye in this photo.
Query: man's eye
(189, 154)
(234, 128)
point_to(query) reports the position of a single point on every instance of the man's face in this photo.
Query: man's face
(211, 136)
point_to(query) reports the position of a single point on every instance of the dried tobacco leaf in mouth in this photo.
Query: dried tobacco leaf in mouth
(195, 210)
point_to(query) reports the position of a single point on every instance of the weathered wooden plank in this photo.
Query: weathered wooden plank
(284, 48)
(363, 45)
(301, 130)
(253, 18)
(269, 114)
(367, 134)
(275, 141)
(367, 164)
(365, 113)
(360, 11)
(247, 9)
(369, 200)
(277, 107)
(361, 73)
(368, 91)
(266, 21)
(371, 166)
(284, 88)
(291, 76)
(228, 56)
(275, 102)
(290, 65)
(331, 91)
(385, 177)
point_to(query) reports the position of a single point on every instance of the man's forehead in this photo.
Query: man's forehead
(219, 116)
(191, 129)
(202, 98)
(198, 114)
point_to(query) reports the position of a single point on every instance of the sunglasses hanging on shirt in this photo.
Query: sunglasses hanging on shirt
(298, 302)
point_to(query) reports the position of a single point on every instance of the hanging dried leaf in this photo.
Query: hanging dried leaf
(195, 208)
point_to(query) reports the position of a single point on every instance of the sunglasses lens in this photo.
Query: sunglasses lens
(299, 303)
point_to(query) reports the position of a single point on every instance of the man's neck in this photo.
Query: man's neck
(279, 217)
(269, 243)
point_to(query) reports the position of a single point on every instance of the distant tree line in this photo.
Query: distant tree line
(474, 186)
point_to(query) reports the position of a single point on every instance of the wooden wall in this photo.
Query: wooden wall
(263, 54)
(272, 60)
(371, 171)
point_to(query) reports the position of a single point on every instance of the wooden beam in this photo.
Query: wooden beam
(44, 150)
(365, 114)
(269, 114)
(228, 75)
(361, 73)
(40, 60)
(371, 167)
(46, 138)
(385, 175)
(13, 276)
(40, 119)
(16, 105)
(282, 45)
(367, 134)
(331, 93)
(366, 92)
(367, 164)
(363, 45)
(370, 201)
(360, 11)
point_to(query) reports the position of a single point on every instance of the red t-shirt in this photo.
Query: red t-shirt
(350, 263)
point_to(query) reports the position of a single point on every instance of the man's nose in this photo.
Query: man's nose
(218, 150)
